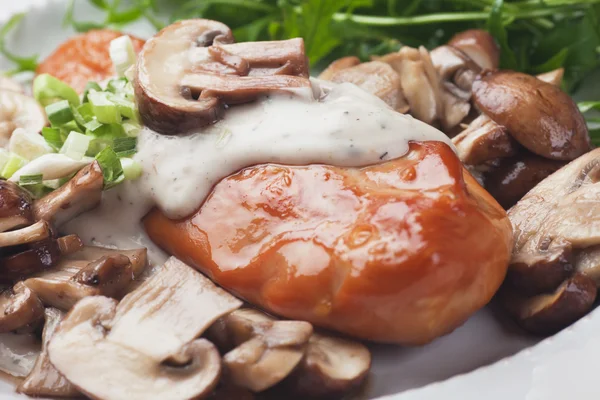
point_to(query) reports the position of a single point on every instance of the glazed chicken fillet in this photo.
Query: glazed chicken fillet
(399, 252)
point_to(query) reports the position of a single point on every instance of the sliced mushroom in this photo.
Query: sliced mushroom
(377, 78)
(19, 111)
(19, 353)
(479, 45)
(548, 313)
(44, 380)
(70, 281)
(19, 307)
(414, 71)
(338, 65)
(117, 370)
(267, 350)
(332, 367)
(15, 206)
(176, 305)
(557, 217)
(553, 77)
(537, 114)
(29, 234)
(82, 193)
(511, 178)
(183, 82)
(484, 140)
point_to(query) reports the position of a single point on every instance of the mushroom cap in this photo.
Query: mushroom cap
(546, 314)
(377, 78)
(161, 64)
(338, 65)
(19, 111)
(509, 179)
(103, 368)
(479, 45)
(265, 350)
(537, 114)
(75, 278)
(332, 366)
(19, 307)
(40, 256)
(15, 206)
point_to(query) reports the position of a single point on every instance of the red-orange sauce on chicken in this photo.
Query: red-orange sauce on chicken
(400, 252)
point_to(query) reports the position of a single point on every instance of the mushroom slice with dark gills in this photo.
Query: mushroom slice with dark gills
(557, 231)
(146, 345)
(44, 380)
(189, 71)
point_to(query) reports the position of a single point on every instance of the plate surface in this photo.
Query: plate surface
(487, 358)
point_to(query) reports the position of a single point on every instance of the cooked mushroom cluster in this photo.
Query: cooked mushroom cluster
(555, 268)
(510, 129)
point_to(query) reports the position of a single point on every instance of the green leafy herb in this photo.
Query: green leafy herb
(22, 63)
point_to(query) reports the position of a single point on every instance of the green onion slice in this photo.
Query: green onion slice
(47, 89)
(25, 180)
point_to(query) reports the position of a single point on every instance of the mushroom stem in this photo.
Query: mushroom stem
(32, 233)
(82, 193)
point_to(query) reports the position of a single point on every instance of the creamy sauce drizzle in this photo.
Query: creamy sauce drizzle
(338, 125)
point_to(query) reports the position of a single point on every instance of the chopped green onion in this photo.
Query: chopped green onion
(53, 137)
(13, 164)
(47, 89)
(125, 147)
(38, 190)
(126, 107)
(25, 180)
(105, 110)
(111, 166)
(59, 113)
(93, 125)
(88, 87)
(4, 156)
(131, 129)
(122, 54)
(29, 145)
(76, 145)
(131, 168)
(116, 86)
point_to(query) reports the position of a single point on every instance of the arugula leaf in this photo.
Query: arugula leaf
(22, 63)
(313, 21)
(496, 26)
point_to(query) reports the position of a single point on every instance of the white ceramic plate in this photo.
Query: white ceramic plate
(487, 358)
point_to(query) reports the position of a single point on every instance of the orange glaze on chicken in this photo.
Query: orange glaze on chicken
(400, 252)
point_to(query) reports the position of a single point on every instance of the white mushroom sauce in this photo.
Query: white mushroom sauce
(339, 125)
